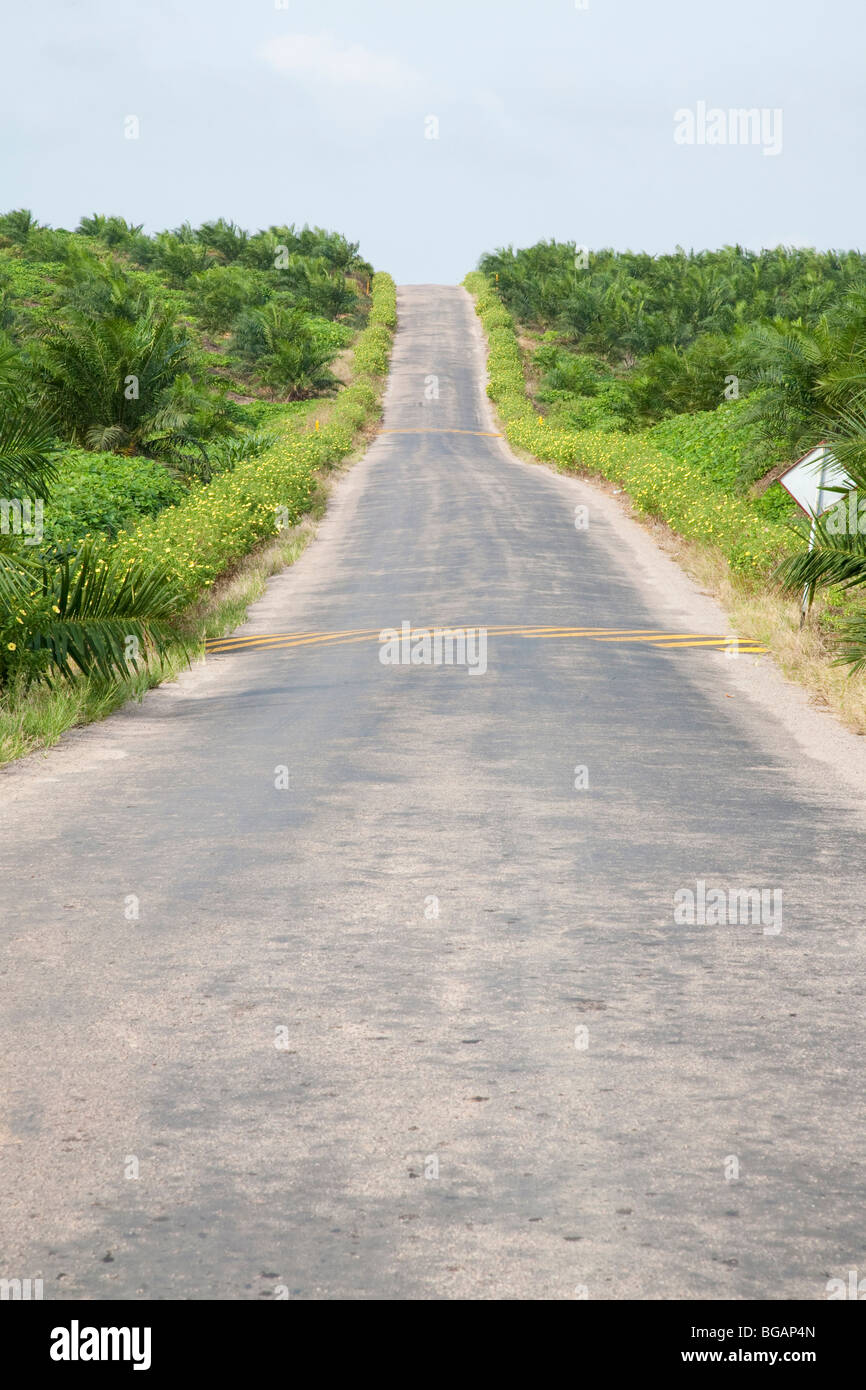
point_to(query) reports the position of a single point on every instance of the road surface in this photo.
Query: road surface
(331, 979)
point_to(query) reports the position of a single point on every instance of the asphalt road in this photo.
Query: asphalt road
(421, 1023)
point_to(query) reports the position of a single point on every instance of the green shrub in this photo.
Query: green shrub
(571, 373)
(730, 447)
(251, 338)
(384, 307)
(97, 492)
(44, 244)
(180, 257)
(25, 284)
(219, 295)
(610, 408)
(373, 350)
(285, 351)
(328, 334)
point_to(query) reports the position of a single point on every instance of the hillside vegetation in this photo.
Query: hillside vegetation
(692, 380)
(166, 405)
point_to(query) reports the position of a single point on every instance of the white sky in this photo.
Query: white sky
(553, 121)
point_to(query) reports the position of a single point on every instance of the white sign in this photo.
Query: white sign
(808, 481)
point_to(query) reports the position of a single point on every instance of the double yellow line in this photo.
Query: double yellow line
(669, 640)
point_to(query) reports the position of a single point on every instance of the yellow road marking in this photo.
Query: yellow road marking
(280, 643)
(720, 642)
(657, 636)
(294, 638)
(306, 638)
(364, 634)
(260, 637)
(213, 643)
(667, 640)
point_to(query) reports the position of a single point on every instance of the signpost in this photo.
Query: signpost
(809, 481)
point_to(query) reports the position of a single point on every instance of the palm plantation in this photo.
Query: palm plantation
(173, 353)
(773, 343)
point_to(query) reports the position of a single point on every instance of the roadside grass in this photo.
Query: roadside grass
(804, 654)
(39, 717)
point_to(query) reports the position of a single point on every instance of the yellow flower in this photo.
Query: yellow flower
(11, 646)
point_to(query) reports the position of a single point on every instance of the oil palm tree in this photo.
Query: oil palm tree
(26, 436)
(76, 615)
(287, 354)
(17, 225)
(105, 376)
(89, 614)
(225, 238)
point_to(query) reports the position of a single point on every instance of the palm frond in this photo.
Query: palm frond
(87, 610)
(27, 465)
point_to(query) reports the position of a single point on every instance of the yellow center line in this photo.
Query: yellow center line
(243, 644)
(504, 629)
(214, 643)
(289, 639)
(659, 636)
(298, 637)
(669, 640)
(334, 642)
(304, 638)
(741, 646)
(341, 640)
(627, 635)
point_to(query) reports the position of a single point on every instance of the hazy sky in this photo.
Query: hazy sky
(553, 120)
